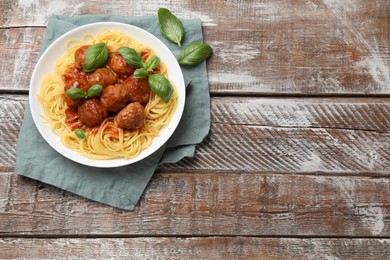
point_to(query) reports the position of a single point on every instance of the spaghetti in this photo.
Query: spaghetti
(106, 141)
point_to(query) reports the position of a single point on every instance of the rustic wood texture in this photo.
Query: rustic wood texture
(338, 136)
(228, 204)
(194, 248)
(19, 53)
(11, 116)
(268, 47)
(296, 164)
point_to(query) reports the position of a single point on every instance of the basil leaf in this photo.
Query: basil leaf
(152, 63)
(80, 133)
(194, 53)
(75, 93)
(95, 56)
(170, 26)
(131, 56)
(161, 86)
(94, 90)
(141, 73)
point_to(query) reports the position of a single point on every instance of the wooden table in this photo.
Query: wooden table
(297, 162)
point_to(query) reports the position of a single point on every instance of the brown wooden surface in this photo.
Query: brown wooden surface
(196, 248)
(344, 136)
(297, 162)
(264, 47)
(206, 204)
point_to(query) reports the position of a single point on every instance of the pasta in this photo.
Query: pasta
(106, 141)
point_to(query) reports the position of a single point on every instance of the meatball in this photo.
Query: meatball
(102, 76)
(73, 102)
(118, 65)
(91, 113)
(131, 117)
(74, 78)
(114, 98)
(137, 89)
(79, 56)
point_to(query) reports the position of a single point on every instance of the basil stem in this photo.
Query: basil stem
(194, 53)
(141, 73)
(94, 90)
(161, 86)
(152, 63)
(170, 26)
(95, 56)
(75, 93)
(80, 133)
(131, 56)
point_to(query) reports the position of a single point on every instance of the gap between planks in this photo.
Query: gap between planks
(97, 236)
(161, 171)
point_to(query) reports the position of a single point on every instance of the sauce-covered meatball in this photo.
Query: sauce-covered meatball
(79, 56)
(137, 89)
(91, 113)
(72, 102)
(114, 97)
(118, 65)
(74, 78)
(131, 117)
(102, 76)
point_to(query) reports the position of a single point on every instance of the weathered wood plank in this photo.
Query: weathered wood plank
(229, 204)
(338, 136)
(366, 114)
(194, 248)
(257, 148)
(269, 47)
(19, 53)
(11, 117)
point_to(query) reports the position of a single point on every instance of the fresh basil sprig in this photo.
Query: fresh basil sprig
(95, 56)
(194, 53)
(141, 73)
(147, 67)
(172, 29)
(161, 86)
(152, 63)
(131, 56)
(80, 133)
(170, 26)
(77, 93)
(94, 90)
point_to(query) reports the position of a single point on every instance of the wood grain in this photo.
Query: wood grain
(257, 148)
(11, 117)
(19, 53)
(194, 248)
(365, 114)
(207, 204)
(303, 175)
(274, 47)
(334, 136)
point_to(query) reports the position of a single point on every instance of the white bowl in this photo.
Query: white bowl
(45, 66)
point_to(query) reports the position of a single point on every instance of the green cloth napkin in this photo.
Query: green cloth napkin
(123, 186)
